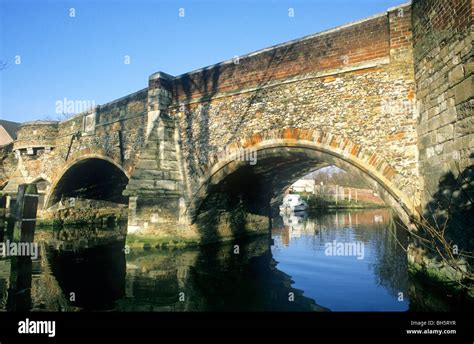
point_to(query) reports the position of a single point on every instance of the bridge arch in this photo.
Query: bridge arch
(90, 176)
(291, 153)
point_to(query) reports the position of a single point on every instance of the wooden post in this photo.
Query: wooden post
(121, 146)
(19, 200)
(11, 218)
(28, 196)
(3, 215)
(19, 292)
(22, 210)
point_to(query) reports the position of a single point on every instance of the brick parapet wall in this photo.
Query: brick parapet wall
(349, 45)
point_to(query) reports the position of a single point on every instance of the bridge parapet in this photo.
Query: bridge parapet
(35, 136)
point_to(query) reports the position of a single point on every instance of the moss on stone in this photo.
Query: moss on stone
(173, 241)
(47, 223)
(150, 241)
(437, 279)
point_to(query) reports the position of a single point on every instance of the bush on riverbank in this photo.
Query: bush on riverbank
(317, 203)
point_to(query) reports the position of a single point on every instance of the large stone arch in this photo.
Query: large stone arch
(96, 162)
(317, 146)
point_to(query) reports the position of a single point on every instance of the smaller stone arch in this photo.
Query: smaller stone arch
(99, 166)
(43, 185)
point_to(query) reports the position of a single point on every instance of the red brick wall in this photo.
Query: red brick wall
(401, 35)
(357, 43)
(363, 195)
(435, 15)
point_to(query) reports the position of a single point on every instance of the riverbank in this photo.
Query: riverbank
(318, 204)
(431, 279)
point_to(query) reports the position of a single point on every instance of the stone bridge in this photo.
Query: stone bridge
(206, 155)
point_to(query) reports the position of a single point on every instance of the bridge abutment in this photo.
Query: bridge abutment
(443, 63)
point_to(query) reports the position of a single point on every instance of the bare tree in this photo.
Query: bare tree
(447, 221)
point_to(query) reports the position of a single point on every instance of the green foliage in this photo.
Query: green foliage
(317, 202)
(322, 203)
(332, 176)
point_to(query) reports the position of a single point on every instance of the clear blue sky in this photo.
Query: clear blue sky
(82, 57)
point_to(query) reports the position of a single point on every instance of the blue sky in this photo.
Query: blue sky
(82, 58)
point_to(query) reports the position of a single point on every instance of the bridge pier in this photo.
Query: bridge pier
(155, 188)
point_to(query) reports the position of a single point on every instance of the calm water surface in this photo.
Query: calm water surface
(88, 269)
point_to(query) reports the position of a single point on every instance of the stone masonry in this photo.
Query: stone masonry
(156, 187)
(378, 97)
(444, 66)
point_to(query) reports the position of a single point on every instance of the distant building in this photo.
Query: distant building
(351, 194)
(7, 132)
(303, 185)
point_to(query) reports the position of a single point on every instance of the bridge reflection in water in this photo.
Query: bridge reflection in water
(83, 269)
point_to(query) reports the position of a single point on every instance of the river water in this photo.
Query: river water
(344, 261)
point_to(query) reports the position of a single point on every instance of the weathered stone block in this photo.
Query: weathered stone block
(168, 146)
(148, 174)
(445, 133)
(171, 175)
(169, 164)
(464, 126)
(141, 184)
(148, 154)
(148, 164)
(464, 90)
(168, 155)
(165, 184)
(456, 75)
(469, 67)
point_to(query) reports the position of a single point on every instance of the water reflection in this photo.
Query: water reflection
(91, 279)
(375, 281)
(88, 269)
(104, 278)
